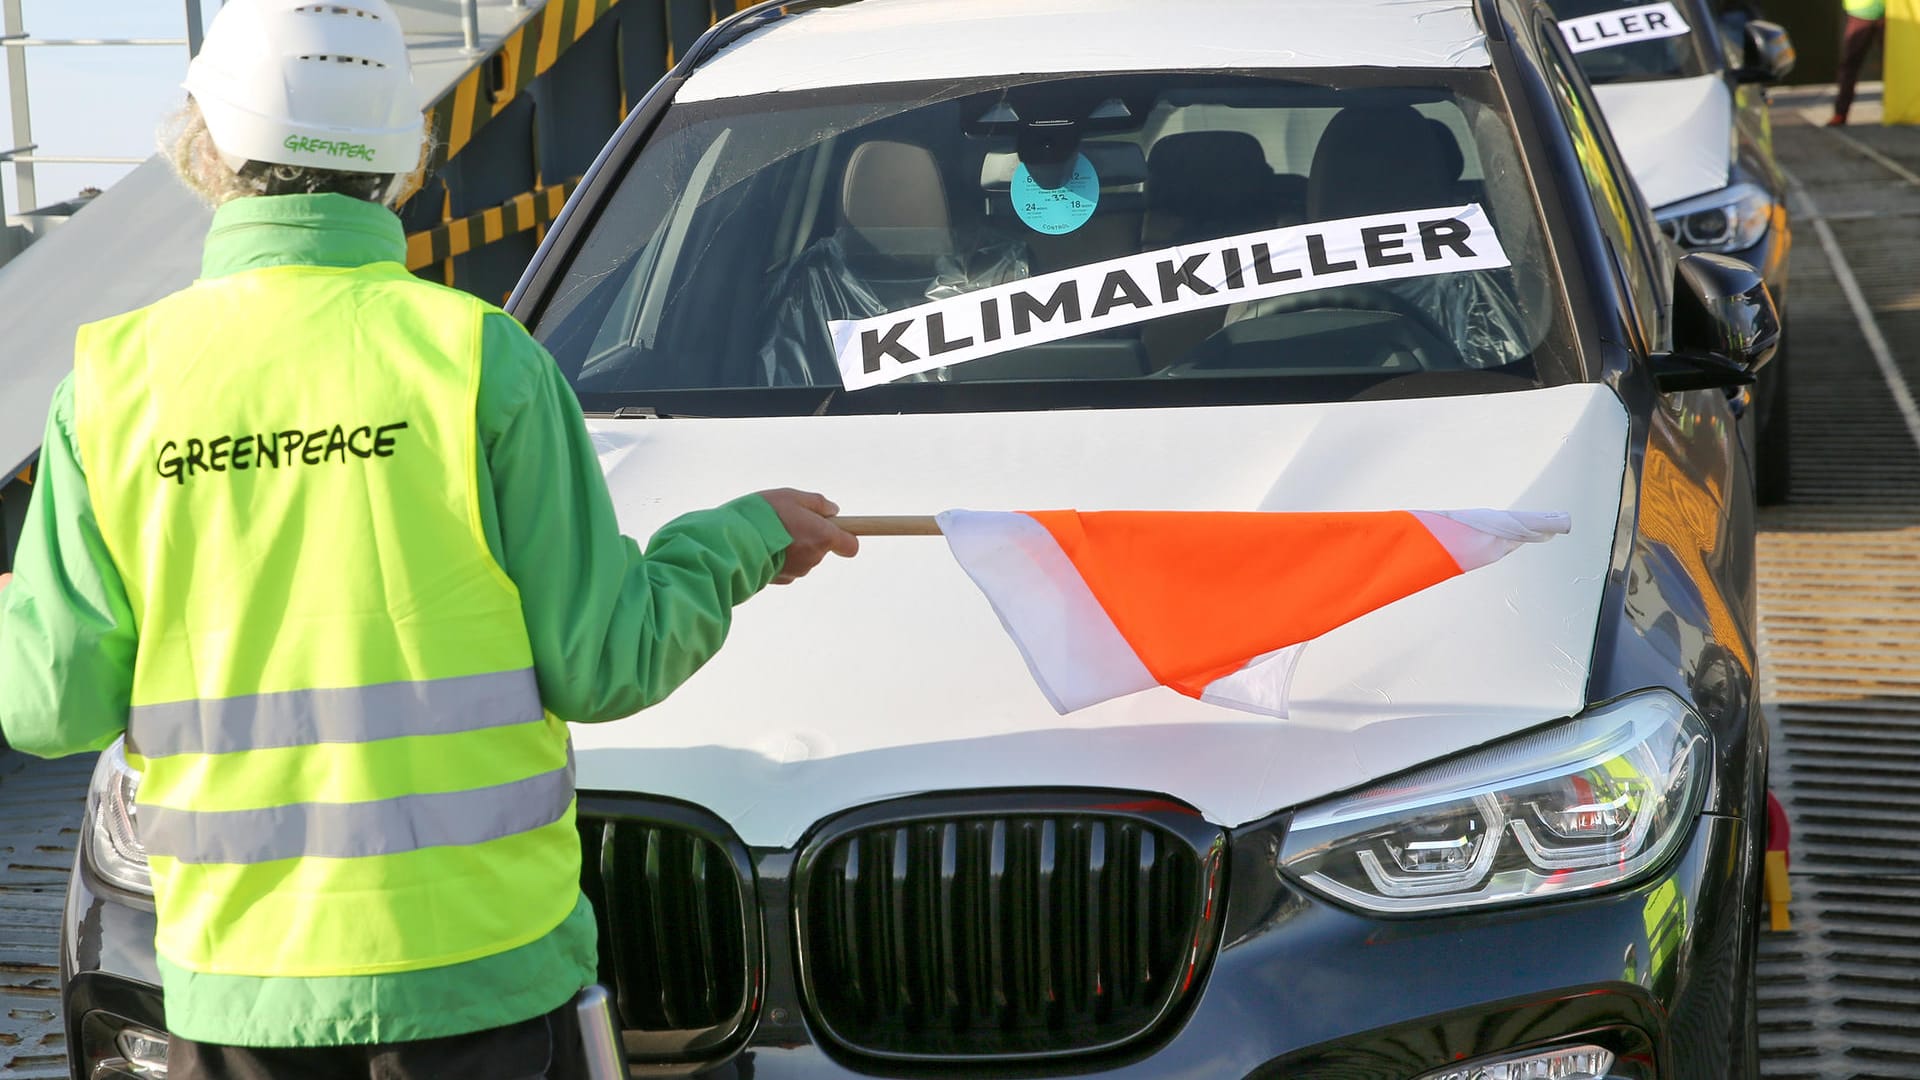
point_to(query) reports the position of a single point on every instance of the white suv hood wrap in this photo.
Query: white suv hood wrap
(1676, 134)
(908, 40)
(888, 675)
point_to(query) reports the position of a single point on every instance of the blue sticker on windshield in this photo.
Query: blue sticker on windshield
(1056, 211)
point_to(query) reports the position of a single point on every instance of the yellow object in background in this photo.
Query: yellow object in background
(1901, 104)
(1779, 892)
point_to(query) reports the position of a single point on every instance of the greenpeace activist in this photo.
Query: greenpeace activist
(1045, 241)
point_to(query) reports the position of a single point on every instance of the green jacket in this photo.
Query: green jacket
(612, 629)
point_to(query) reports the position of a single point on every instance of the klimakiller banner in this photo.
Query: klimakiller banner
(1138, 288)
(1623, 27)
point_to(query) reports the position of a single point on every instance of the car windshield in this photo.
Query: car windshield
(1633, 41)
(1084, 241)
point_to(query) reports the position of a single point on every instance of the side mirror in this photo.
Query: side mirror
(1769, 54)
(1725, 326)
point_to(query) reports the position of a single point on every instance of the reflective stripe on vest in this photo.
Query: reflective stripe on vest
(356, 830)
(347, 767)
(352, 715)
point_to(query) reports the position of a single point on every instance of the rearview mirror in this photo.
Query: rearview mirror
(1769, 53)
(1117, 164)
(1725, 325)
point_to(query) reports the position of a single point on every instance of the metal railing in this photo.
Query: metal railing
(470, 23)
(16, 40)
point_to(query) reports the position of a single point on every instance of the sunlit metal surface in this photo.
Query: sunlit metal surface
(1840, 635)
(40, 809)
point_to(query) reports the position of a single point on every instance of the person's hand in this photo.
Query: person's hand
(5, 580)
(808, 519)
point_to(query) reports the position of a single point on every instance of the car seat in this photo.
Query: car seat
(1203, 185)
(1376, 159)
(894, 221)
(894, 246)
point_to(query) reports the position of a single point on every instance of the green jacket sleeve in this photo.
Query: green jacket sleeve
(613, 629)
(67, 634)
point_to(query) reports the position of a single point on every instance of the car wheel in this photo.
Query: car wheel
(1772, 455)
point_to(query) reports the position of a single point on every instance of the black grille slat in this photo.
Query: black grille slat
(960, 984)
(618, 906)
(670, 905)
(996, 923)
(976, 921)
(929, 985)
(1046, 858)
(1020, 965)
(848, 910)
(898, 884)
(941, 984)
(701, 897)
(664, 946)
(1081, 945)
(1139, 968)
(1018, 935)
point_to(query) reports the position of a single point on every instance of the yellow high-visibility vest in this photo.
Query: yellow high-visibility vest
(347, 767)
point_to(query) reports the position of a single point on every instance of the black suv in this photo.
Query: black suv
(1221, 254)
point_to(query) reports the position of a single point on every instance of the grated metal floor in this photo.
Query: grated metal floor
(1840, 628)
(40, 811)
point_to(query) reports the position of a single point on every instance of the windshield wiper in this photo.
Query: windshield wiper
(630, 412)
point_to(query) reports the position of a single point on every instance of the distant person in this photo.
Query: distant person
(1866, 22)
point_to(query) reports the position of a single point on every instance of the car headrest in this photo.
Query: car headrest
(893, 199)
(1377, 159)
(1199, 171)
(1202, 185)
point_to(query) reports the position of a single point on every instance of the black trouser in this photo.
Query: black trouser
(543, 1048)
(1855, 42)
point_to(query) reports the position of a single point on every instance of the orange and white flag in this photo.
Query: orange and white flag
(1214, 605)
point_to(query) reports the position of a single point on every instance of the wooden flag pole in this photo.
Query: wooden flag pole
(899, 525)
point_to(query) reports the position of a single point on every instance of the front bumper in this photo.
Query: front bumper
(1658, 973)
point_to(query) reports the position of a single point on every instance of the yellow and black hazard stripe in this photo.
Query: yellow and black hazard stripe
(493, 84)
(488, 89)
(518, 214)
(25, 479)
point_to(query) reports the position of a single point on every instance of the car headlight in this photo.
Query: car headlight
(1580, 805)
(1733, 218)
(1568, 1063)
(114, 851)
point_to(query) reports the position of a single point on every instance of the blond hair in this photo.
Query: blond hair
(188, 146)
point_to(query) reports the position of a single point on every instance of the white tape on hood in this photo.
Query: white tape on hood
(1150, 285)
(1623, 27)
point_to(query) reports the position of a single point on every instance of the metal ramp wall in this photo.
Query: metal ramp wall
(516, 118)
(520, 129)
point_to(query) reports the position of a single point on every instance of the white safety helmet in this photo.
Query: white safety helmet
(316, 85)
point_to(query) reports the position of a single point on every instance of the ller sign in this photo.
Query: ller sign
(1137, 288)
(1622, 27)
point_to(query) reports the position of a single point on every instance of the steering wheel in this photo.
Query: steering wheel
(1363, 298)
